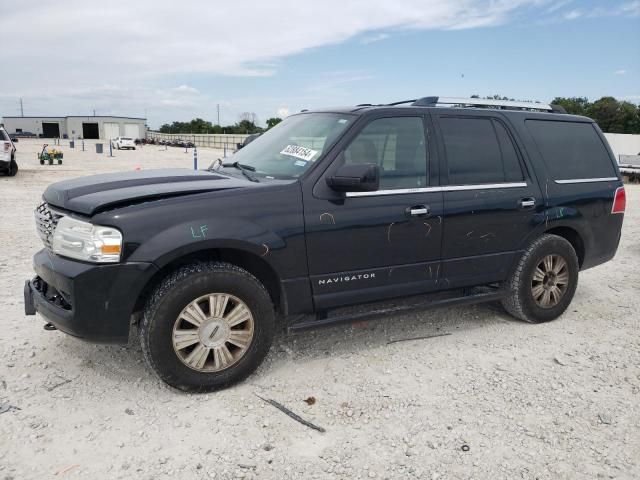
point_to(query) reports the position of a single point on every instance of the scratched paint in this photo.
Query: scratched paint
(266, 249)
(199, 232)
(389, 232)
(327, 219)
(428, 225)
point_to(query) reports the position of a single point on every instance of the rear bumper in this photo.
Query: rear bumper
(93, 302)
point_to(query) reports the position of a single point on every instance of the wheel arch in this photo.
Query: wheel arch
(244, 259)
(573, 237)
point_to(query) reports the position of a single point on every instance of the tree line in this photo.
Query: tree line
(246, 124)
(612, 115)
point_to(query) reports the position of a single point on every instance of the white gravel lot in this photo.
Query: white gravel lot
(552, 401)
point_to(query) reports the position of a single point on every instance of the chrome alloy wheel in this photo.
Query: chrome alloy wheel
(213, 332)
(550, 281)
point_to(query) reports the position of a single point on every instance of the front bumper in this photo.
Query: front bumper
(90, 301)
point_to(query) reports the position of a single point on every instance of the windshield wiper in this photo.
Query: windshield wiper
(245, 169)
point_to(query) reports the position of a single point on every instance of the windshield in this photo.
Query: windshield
(291, 147)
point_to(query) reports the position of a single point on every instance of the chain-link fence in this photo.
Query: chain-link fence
(218, 141)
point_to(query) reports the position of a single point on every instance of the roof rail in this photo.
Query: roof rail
(483, 102)
(401, 102)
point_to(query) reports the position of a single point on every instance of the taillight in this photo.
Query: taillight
(619, 201)
(7, 146)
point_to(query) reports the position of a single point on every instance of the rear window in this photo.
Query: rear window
(4, 136)
(125, 138)
(479, 150)
(571, 150)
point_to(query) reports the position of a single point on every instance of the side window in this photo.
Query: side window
(398, 146)
(479, 151)
(571, 150)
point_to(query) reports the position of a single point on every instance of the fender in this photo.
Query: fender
(210, 233)
(559, 216)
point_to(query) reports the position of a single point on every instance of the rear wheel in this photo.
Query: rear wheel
(544, 281)
(207, 326)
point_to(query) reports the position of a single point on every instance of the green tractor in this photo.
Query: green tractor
(50, 156)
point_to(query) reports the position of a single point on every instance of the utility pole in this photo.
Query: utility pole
(218, 108)
(21, 108)
(94, 112)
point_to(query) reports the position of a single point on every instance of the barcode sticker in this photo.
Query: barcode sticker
(299, 152)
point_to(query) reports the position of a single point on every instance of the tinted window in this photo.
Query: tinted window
(571, 150)
(474, 154)
(398, 146)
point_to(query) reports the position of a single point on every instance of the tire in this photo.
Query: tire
(165, 314)
(13, 168)
(526, 282)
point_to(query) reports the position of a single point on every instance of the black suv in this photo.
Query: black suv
(454, 200)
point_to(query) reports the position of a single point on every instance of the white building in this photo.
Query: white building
(98, 127)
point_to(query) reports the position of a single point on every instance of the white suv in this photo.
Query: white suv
(123, 142)
(8, 163)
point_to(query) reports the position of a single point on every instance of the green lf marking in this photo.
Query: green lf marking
(199, 232)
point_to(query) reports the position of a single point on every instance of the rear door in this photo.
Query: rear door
(492, 202)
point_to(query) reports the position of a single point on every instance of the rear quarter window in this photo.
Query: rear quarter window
(571, 150)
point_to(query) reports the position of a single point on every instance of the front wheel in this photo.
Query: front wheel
(207, 326)
(544, 280)
(13, 168)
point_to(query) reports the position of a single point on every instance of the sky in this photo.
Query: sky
(169, 61)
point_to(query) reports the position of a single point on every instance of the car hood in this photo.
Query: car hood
(95, 193)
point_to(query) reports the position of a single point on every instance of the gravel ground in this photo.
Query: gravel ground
(552, 401)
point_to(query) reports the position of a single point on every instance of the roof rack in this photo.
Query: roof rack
(484, 103)
(402, 102)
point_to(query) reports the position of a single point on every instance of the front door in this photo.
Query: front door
(372, 245)
(492, 202)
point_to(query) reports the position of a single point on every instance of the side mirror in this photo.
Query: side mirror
(361, 177)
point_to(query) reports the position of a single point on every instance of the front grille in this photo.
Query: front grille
(46, 221)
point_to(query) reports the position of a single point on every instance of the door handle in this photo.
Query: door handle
(418, 210)
(528, 202)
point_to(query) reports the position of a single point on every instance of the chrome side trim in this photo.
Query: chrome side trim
(399, 191)
(446, 188)
(484, 186)
(587, 180)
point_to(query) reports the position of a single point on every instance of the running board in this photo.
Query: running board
(322, 320)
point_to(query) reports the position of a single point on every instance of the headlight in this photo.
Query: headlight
(84, 241)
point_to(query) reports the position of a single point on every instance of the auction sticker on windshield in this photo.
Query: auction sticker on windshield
(299, 152)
